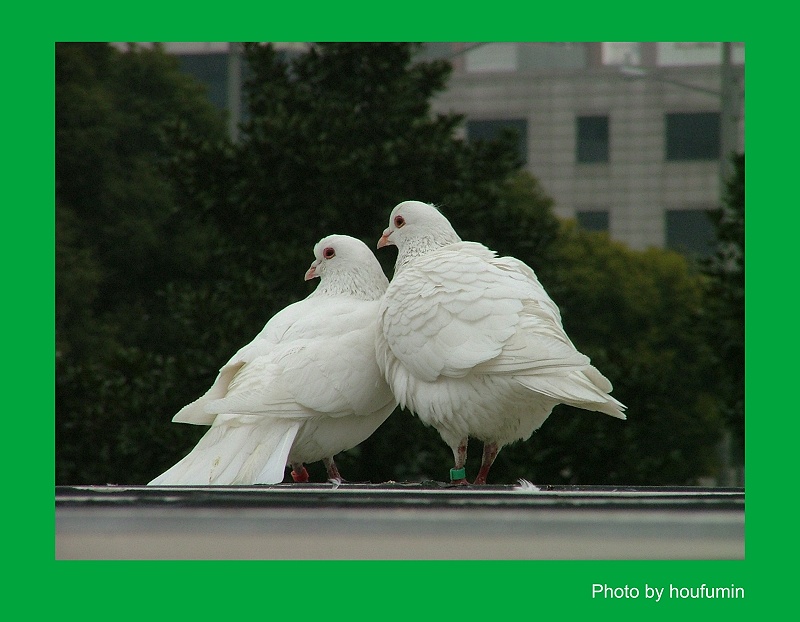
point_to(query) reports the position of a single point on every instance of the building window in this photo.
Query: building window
(592, 140)
(492, 57)
(693, 136)
(593, 220)
(494, 129)
(690, 232)
(621, 53)
(211, 70)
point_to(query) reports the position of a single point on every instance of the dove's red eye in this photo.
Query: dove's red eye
(329, 253)
(399, 221)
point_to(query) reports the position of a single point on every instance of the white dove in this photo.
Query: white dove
(307, 387)
(471, 342)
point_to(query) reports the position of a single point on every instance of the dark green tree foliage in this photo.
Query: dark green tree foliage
(175, 247)
(335, 138)
(726, 301)
(119, 250)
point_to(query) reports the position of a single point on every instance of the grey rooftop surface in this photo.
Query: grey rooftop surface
(411, 520)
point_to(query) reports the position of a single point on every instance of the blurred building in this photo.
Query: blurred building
(627, 137)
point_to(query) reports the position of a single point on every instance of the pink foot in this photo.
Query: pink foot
(489, 454)
(333, 472)
(301, 476)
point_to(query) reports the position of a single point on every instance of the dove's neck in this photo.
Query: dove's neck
(357, 283)
(420, 246)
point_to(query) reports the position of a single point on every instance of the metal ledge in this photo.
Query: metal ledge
(428, 520)
(409, 494)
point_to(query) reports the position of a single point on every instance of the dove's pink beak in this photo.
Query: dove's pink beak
(311, 273)
(384, 241)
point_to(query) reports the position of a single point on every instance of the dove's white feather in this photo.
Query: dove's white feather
(471, 342)
(307, 387)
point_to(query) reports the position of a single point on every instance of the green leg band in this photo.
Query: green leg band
(458, 473)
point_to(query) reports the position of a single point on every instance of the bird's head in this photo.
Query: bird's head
(344, 264)
(418, 227)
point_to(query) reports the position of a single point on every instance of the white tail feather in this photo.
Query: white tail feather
(576, 389)
(272, 470)
(236, 450)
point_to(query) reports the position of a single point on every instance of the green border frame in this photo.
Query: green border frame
(372, 590)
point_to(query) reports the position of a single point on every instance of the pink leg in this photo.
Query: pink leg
(489, 454)
(460, 455)
(333, 471)
(299, 473)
